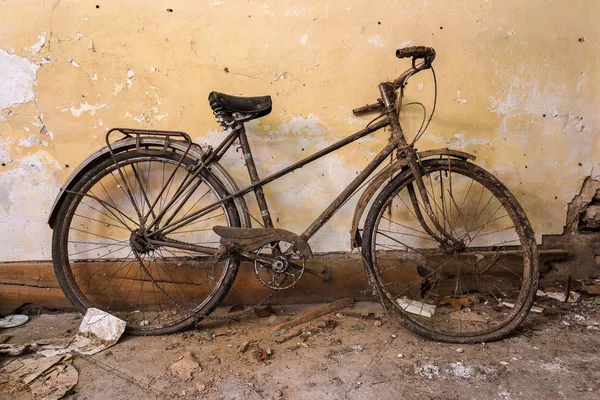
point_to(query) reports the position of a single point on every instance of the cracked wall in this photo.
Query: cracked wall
(518, 87)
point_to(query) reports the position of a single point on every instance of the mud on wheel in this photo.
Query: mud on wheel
(103, 257)
(478, 285)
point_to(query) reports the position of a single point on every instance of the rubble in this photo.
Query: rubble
(315, 313)
(185, 366)
(416, 307)
(12, 321)
(98, 331)
(48, 378)
(571, 297)
(455, 303)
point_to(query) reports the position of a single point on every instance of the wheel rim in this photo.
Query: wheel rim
(470, 284)
(108, 262)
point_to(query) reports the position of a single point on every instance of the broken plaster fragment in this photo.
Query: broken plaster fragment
(98, 331)
(185, 366)
(416, 307)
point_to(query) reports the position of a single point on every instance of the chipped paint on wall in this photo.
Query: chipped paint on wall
(28, 193)
(16, 80)
(518, 87)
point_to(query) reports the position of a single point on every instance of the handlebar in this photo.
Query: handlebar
(369, 108)
(416, 52)
(427, 54)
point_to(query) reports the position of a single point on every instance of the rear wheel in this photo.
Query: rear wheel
(476, 287)
(102, 256)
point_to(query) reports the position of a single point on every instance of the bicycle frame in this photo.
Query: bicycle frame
(397, 141)
(257, 184)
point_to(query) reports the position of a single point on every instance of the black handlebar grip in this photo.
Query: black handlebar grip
(415, 51)
(369, 108)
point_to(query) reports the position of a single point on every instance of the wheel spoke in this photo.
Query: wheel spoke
(109, 260)
(451, 290)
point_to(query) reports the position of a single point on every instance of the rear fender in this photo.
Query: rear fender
(385, 175)
(124, 145)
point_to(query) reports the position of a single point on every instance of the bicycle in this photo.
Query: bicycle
(152, 228)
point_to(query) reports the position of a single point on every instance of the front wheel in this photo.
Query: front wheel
(477, 286)
(102, 250)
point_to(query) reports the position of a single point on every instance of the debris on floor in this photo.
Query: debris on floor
(264, 312)
(467, 316)
(4, 338)
(571, 297)
(14, 350)
(12, 321)
(98, 331)
(416, 307)
(534, 309)
(455, 303)
(48, 378)
(327, 358)
(185, 366)
(591, 289)
(314, 314)
(55, 383)
(259, 353)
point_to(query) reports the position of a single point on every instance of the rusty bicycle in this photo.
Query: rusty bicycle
(153, 229)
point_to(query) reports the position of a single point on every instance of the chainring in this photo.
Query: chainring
(279, 266)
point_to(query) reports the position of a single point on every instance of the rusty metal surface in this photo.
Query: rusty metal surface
(387, 173)
(249, 240)
(195, 152)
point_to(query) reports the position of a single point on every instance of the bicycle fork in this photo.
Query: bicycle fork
(388, 95)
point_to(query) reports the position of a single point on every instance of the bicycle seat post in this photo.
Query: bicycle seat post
(253, 173)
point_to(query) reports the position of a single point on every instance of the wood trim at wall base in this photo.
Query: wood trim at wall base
(35, 282)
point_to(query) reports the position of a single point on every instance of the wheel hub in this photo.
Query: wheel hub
(139, 241)
(456, 247)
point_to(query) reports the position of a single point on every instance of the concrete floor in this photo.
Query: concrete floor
(364, 356)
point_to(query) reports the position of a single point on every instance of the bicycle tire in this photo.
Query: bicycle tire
(174, 289)
(403, 265)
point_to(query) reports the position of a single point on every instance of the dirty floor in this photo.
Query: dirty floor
(355, 353)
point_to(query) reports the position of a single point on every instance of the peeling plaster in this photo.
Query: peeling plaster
(16, 80)
(376, 40)
(459, 141)
(86, 107)
(4, 153)
(509, 90)
(130, 75)
(39, 44)
(29, 190)
(304, 38)
(32, 141)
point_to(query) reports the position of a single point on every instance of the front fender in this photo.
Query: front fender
(387, 173)
(129, 144)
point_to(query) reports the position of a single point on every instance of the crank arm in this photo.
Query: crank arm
(325, 275)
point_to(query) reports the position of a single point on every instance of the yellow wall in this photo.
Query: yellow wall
(78, 70)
